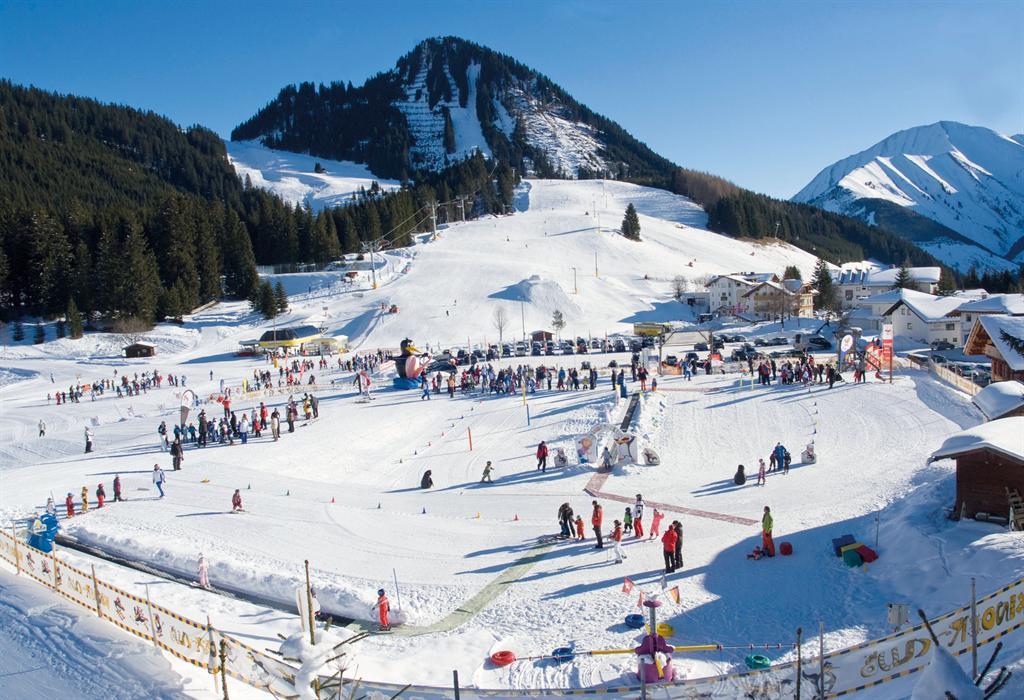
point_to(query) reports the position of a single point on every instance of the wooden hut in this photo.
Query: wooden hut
(989, 466)
(1001, 400)
(139, 350)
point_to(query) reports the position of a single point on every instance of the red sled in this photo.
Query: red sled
(785, 549)
(867, 554)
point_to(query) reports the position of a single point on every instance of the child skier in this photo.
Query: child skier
(204, 572)
(579, 528)
(487, 473)
(656, 519)
(383, 607)
(236, 501)
(117, 488)
(85, 499)
(638, 516)
(766, 533)
(101, 495)
(760, 472)
(69, 503)
(627, 520)
(617, 538)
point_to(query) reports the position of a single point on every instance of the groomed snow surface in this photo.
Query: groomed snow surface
(343, 492)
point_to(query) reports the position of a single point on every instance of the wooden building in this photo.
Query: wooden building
(989, 461)
(995, 336)
(139, 350)
(1001, 400)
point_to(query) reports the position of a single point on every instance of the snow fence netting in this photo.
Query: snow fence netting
(845, 671)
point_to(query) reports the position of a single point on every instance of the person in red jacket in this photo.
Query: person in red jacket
(595, 521)
(383, 607)
(579, 528)
(69, 502)
(617, 538)
(668, 542)
(656, 523)
(101, 495)
(236, 501)
(542, 456)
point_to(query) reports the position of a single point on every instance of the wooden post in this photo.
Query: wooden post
(974, 630)
(821, 658)
(469, 432)
(799, 660)
(309, 606)
(56, 574)
(223, 667)
(17, 556)
(96, 591)
(213, 653)
(455, 682)
(149, 609)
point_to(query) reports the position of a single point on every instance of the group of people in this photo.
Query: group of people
(803, 371)
(779, 459)
(631, 524)
(101, 499)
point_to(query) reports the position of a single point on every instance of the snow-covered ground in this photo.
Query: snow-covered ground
(342, 491)
(293, 176)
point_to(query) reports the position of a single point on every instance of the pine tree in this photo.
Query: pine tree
(263, 301)
(903, 278)
(825, 299)
(208, 254)
(558, 321)
(792, 272)
(240, 278)
(173, 236)
(50, 260)
(631, 224)
(140, 289)
(280, 297)
(6, 298)
(947, 283)
(74, 319)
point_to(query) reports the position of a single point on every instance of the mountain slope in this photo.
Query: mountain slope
(967, 179)
(444, 100)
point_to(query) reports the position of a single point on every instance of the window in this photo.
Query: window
(950, 326)
(910, 326)
(849, 295)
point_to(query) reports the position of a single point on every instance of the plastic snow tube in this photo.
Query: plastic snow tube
(502, 658)
(563, 654)
(665, 629)
(404, 383)
(635, 621)
(757, 661)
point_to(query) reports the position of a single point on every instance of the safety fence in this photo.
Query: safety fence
(836, 674)
(961, 382)
(195, 642)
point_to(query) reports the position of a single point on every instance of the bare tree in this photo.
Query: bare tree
(500, 321)
(679, 285)
(558, 322)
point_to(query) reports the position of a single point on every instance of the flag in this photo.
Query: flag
(673, 593)
(640, 601)
(627, 585)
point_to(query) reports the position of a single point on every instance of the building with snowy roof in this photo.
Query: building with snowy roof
(852, 284)
(989, 466)
(725, 292)
(1004, 304)
(1001, 339)
(1001, 400)
(768, 299)
(925, 318)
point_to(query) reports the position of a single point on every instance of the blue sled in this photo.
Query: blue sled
(405, 383)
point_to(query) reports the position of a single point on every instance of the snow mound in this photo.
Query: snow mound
(544, 295)
(944, 675)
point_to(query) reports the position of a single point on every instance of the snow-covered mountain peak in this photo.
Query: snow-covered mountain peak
(967, 178)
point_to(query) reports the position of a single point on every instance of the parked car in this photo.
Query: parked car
(702, 347)
(942, 345)
(671, 360)
(620, 345)
(595, 344)
(506, 350)
(520, 349)
(741, 355)
(647, 342)
(761, 342)
(690, 356)
(535, 350)
(819, 343)
(780, 340)
(635, 345)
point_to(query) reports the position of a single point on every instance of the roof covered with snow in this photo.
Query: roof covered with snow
(887, 278)
(927, 307)
(1011, 304)
(999, 398)
(1014, 326)
(1004, 436)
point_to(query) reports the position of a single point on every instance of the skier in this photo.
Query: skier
(236, 501)
(275, 425)
(424, 387)
(117, 488)
(780, 455)
(177, 454)
(243, 430)
(638, 516)
(159, 478)
(88, 440)
(101, 496)
(656, 519)
(740, 477)
(69, 504)
(162, 432)
(677, 555)
(42, 428)
(204, 573)
(565, 519)
(595, 521)
(85, 499)
(427, 481)
(606, 459)
(383, 607)
(668, 545)
(542, 456)
(580, 536)
(487, 473)
(760, 472)
(786, 460)
(766, 533)
(617, 538)
(627, 520)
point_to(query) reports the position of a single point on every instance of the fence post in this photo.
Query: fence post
(17, 556)
(309, 607)
(821, 658)
(149, 609)
(469, 432)
(455, 681)
(96, 591)
(974, 630)
(799, 660)
(223, 665)
(56, 574)
(213, 653)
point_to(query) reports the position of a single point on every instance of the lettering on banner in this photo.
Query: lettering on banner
(887, 661)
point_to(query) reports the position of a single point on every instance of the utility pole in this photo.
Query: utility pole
(522, 313)
(575, 287)
(433, 220)
(371, 247)
(776, 229)
(462, 207)
(595, 265)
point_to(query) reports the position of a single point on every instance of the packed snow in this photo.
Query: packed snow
(474, 571)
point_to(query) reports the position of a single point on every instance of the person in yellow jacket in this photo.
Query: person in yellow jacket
(85, 499)
(767, 545)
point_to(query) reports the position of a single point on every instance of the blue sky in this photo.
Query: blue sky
(764, 93)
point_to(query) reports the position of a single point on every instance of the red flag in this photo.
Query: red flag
(627, 585)
(640, 601)
(673, 593)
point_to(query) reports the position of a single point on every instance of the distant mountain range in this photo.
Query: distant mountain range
(957, 191)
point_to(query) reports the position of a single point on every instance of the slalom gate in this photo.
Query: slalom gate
(838, 673)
